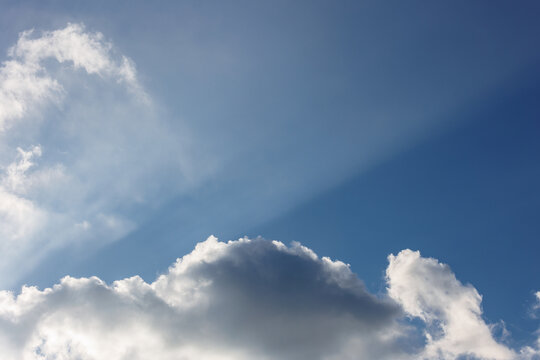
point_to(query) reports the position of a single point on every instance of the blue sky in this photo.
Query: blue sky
(131, 132)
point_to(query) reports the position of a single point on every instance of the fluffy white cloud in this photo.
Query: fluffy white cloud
(452, 311)
(250, 299)
(104, 153)
(243, 299)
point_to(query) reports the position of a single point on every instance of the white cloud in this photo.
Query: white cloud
(22, 88)
(243, 299)
(452, 311)
(103, 151)
(102, 154)
(533, 352)
(530, 352)
(249, 299)
(26, 83)
(15, 178)
(21, 220)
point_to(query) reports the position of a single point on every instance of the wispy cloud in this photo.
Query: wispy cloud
(79, 139)
(26, 83)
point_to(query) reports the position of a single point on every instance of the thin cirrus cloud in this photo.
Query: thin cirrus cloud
(254, 299)
(77, 145)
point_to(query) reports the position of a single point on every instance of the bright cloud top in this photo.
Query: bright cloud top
(429, 290)
(239, 300)
(82, 147)
(250, 299)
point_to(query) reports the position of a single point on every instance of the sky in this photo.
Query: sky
(271, 180)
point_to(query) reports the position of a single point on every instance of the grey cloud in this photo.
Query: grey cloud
(239, 300)
(287, 302)
(258, 299)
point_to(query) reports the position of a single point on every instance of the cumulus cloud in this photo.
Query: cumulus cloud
(429, 290)
(254, 298)
(78, 171)
(82, 147)
(243, 299)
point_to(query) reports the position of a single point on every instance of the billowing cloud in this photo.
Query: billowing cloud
(452, 311)
(84, 152)
(243, 299)
(250, 299)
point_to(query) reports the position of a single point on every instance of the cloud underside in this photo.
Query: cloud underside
(250, 299)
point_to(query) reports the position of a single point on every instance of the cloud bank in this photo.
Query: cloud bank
(250, 299)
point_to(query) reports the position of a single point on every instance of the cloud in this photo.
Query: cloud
(533, 352)
(26, 83)
(84, 152)
(15, 179)
(254, 298)
(20, 218)
(82, 147)
(243, 299)
(452, 311)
